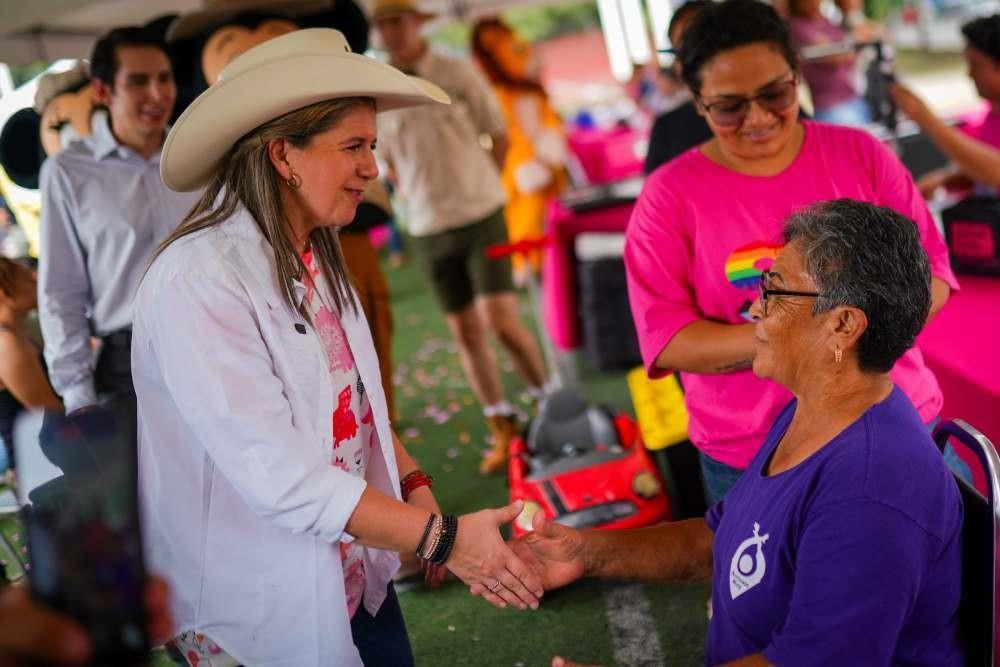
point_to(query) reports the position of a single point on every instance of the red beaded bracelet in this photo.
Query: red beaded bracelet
(414, 480)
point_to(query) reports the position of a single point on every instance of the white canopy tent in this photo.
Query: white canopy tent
(33, 30)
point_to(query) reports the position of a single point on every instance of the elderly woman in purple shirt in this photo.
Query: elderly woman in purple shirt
(841, 543)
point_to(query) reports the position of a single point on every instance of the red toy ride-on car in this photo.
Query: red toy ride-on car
(584, 467)
(581, 464)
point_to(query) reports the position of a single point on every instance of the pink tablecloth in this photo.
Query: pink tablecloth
(609, 155)
(962, 346)
(558, 278)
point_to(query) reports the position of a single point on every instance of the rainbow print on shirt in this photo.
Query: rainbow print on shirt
(745, 264)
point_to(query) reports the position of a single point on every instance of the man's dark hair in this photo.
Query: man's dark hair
(104, 58)
(689, 9)
(983, 34)
(729, 25)
(868, 257)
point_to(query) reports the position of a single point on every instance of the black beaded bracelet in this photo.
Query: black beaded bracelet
(427, 532)
(447, 543)
(444, 546)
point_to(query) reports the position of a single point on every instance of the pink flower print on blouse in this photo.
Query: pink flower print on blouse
(345, 424)
(354, 576)
(338, 352)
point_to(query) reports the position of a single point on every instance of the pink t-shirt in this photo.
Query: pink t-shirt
(985, 128)
(698, 239)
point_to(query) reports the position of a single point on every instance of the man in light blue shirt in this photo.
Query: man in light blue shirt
(104, 212)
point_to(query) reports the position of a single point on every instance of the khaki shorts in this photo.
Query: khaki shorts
(456, 262)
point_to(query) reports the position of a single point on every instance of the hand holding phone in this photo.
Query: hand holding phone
(34, 634)
(77, 477)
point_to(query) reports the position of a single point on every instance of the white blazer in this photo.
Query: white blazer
(242, 510)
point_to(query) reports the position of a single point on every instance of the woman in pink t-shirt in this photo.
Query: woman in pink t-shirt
(709, 222)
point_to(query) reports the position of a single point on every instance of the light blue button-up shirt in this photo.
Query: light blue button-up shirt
(104, 212)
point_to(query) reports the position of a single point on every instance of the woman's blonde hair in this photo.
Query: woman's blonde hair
(247, 176)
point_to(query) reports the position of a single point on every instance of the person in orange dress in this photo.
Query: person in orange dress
(534, 168)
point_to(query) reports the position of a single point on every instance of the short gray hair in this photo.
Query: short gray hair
(868, 257)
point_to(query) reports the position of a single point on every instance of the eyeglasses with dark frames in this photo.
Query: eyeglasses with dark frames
(765, 291)
(731, 112)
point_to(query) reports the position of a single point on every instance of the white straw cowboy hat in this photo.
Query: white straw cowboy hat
(279, 76)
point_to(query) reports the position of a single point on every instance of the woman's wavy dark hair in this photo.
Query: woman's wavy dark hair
(729, 25)
(868, 257)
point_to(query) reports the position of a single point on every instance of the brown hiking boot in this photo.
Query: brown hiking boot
(503, 428)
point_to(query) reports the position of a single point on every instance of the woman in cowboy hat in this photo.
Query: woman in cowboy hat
(269, 472)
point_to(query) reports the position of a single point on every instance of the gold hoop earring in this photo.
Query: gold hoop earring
(838, 355)
(293, 181)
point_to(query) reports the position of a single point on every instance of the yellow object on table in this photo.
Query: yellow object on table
(659, 408)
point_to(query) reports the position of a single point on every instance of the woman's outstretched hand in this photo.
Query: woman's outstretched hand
(423, 497)
(491, 569)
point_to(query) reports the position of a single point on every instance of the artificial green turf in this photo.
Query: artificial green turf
(681, 617)
(448, 626)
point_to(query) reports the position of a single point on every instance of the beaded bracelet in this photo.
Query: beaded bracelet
(436, 539)
(413, 481)
(443, 549)
(427, 532)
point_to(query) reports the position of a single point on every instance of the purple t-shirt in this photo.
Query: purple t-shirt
(852, 557)
(830, 84)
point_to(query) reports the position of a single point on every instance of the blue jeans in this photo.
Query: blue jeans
(382, 639)
(717, 478)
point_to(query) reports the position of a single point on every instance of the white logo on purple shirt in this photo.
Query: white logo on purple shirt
(746, 570)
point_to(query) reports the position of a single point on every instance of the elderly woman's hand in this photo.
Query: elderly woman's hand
(482, 560)
(559, 661)
(553, 550)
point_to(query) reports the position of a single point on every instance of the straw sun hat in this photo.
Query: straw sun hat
(279, 76)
